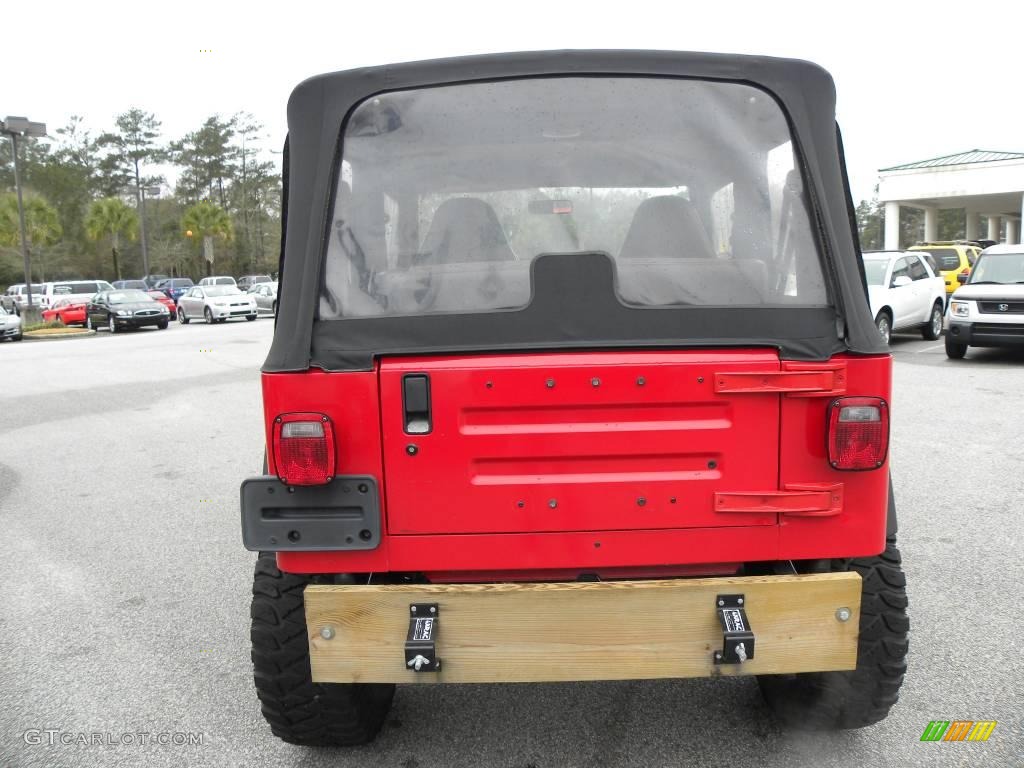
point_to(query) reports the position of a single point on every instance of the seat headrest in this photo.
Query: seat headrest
(465, 230)
(664, 227)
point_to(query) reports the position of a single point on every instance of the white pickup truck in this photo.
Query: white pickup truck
(905, 293)
(988, 310)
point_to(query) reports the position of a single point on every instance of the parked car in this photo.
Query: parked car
(82, 290)
(130, 308)
(215, 303)
(266, 297)
(140, 284)
(988, 309)
(16, 296)
(152, 280)
(953, 257)
(218, 280)
(67, 311)
(164, 299)
(175, 286)
(245, 282)
(10, 325)
(904, 293)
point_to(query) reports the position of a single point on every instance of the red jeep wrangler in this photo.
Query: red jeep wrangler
(573, 378)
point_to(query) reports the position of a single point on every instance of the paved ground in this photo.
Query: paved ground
(124, 589)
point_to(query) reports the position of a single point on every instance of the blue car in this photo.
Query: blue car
(175, 286)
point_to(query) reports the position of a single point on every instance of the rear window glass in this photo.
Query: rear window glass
(947, 258)
(63, 289)
(446, 195)
(875, 269)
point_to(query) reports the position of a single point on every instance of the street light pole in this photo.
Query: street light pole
(140, 203)
(21, 221)
(14, 127)
(140, 199)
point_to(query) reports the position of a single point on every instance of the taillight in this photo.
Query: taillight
(858, 433)
(304, 448)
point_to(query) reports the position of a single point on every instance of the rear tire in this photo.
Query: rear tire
(298, 710)
(932, 330)
(884, 324)
(955, 350)
(821, 701)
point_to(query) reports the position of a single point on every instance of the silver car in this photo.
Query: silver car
(10, 325)
(266, 297)
(215, 303)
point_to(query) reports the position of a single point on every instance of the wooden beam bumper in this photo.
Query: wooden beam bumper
(620, 630)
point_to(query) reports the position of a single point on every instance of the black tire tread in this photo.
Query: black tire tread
(820, 701)
(298, 710)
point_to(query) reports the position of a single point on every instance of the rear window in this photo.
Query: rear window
(63, 289)
(446, 195)
(947, 258)
(875, 269)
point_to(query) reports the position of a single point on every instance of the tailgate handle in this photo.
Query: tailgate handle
(416, 403)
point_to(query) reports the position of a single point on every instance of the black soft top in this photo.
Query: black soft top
(573, 305)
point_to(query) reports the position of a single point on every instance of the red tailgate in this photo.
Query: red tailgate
(578, 442)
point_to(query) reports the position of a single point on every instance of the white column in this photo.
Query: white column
(993, 227)
(931, 224)
(971, 226)
(1012, 231)
(892, 226)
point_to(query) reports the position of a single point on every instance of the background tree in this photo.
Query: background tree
(42, 227)
(129, 151)
(110, 217)
(206, 221)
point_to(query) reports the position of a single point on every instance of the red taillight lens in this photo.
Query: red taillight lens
(858, 433)
(304, 448)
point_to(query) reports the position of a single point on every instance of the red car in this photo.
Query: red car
(165, 300)
(66, 311)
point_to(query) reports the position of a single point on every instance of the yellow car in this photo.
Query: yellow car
(951, 257)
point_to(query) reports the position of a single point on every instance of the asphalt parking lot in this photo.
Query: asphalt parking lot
(125, 587)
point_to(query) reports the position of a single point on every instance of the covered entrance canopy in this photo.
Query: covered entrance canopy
(982, 183)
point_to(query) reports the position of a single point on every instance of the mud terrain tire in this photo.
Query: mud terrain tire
(821, 701)
(298, 710)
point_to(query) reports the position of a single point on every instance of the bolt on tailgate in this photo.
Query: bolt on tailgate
(575, 442)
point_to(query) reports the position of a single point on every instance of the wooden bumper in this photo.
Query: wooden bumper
(622, 630)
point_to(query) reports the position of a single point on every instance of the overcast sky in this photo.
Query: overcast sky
(915, 80)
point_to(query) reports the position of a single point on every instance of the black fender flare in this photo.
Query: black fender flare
(890, 518)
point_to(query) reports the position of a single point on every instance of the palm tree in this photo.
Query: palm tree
(206, 220)
(42, 224)
(110, 216)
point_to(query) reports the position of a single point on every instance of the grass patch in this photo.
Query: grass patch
(49, 324)
(48, 329)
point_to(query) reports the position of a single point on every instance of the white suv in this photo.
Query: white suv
(988, 309)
